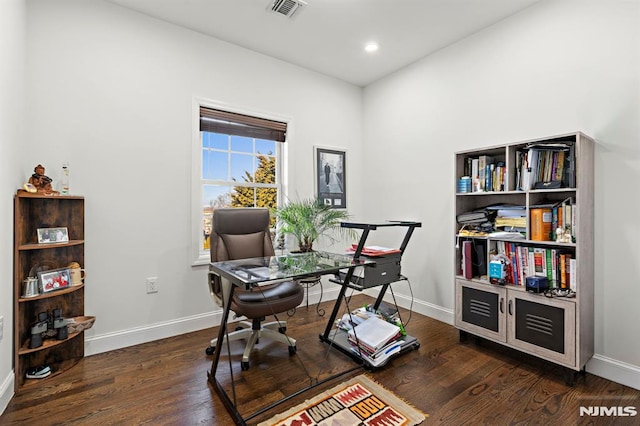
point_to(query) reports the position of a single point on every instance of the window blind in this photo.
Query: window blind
(230, 123)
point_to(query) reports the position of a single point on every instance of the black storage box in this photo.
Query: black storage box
(385, 271)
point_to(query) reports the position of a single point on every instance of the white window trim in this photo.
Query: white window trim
(198, 256)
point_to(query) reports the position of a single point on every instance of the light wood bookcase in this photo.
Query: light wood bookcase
(557, 329)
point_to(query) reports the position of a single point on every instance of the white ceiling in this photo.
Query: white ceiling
(328, 36)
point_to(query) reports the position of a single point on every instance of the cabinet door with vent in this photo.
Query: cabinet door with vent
(544, 327)
(481, 309)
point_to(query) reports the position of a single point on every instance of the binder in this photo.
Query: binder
(467, 270)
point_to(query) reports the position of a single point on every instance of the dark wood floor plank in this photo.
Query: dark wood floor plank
(165, 382)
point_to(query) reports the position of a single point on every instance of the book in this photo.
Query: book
(479, 259)
(467, 270)
(483, 162)
(572, 274)
(373, 333)
(567, 268)
(475, 178)
(382, 355)
(540, 262)
(549, 265)
(554, 269)
(541, 224)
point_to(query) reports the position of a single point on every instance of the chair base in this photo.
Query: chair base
(252, 331)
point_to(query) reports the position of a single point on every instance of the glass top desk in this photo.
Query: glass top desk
(255, 271)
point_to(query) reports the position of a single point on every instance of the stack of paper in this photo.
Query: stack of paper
(373, 334)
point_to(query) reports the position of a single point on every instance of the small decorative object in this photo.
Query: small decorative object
(30, 287)
(41, 182)
(330, 168)
(78, 324)
(53, 235)
(30, 188)
(65, 179)
(568, 238)
(76, 273)
(56, 279)
(564, 235)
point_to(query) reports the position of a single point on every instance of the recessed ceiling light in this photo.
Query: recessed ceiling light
(371, 47)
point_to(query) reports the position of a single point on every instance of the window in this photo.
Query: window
(240, 157)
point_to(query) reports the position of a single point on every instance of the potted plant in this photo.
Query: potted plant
(310, 219)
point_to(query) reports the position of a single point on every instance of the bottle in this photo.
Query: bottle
(65, 179)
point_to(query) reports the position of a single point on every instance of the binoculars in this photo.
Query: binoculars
(48, 325)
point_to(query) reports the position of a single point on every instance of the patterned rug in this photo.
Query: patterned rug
(359, 401)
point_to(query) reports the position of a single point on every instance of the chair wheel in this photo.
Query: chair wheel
(244, 365)
(293, 350)
(282, 330)
(210, 350)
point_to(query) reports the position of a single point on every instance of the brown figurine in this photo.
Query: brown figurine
(41, 182)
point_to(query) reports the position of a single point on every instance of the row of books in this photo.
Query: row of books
(545, 166)
(486, 174)
(557, 265)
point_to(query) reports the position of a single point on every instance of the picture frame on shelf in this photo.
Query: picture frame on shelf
(53, 235)
(54, 279)
(330, 169)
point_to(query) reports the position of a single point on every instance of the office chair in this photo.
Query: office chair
(240, 233)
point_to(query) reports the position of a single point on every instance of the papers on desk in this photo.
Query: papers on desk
(373, 250)
(252, 272)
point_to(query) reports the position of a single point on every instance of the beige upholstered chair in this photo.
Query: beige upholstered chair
(240, 233)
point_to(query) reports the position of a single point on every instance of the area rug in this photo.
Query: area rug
(359, 401)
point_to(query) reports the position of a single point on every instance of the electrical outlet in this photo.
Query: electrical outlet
(152, 285)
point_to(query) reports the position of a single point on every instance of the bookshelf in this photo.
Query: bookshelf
(33, 211)
(539, 195)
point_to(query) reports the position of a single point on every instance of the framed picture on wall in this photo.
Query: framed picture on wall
(330, 172)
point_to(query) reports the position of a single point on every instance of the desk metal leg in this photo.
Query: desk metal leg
(334, 313)
(229, 404)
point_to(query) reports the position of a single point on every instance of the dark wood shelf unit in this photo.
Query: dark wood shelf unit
(33, 211)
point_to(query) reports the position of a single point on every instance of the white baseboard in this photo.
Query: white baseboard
(6, 391)
(616, 371)
(134, 336)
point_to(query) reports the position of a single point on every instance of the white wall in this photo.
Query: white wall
(555, 68)
(12, 47)
(112, 93)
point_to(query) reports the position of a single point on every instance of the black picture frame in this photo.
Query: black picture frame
(330, 172)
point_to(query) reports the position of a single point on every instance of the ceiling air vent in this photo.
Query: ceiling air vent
(287, 7)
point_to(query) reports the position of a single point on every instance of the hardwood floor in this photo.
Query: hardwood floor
(165, 382)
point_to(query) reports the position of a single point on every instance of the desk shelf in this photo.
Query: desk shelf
(338, 338)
